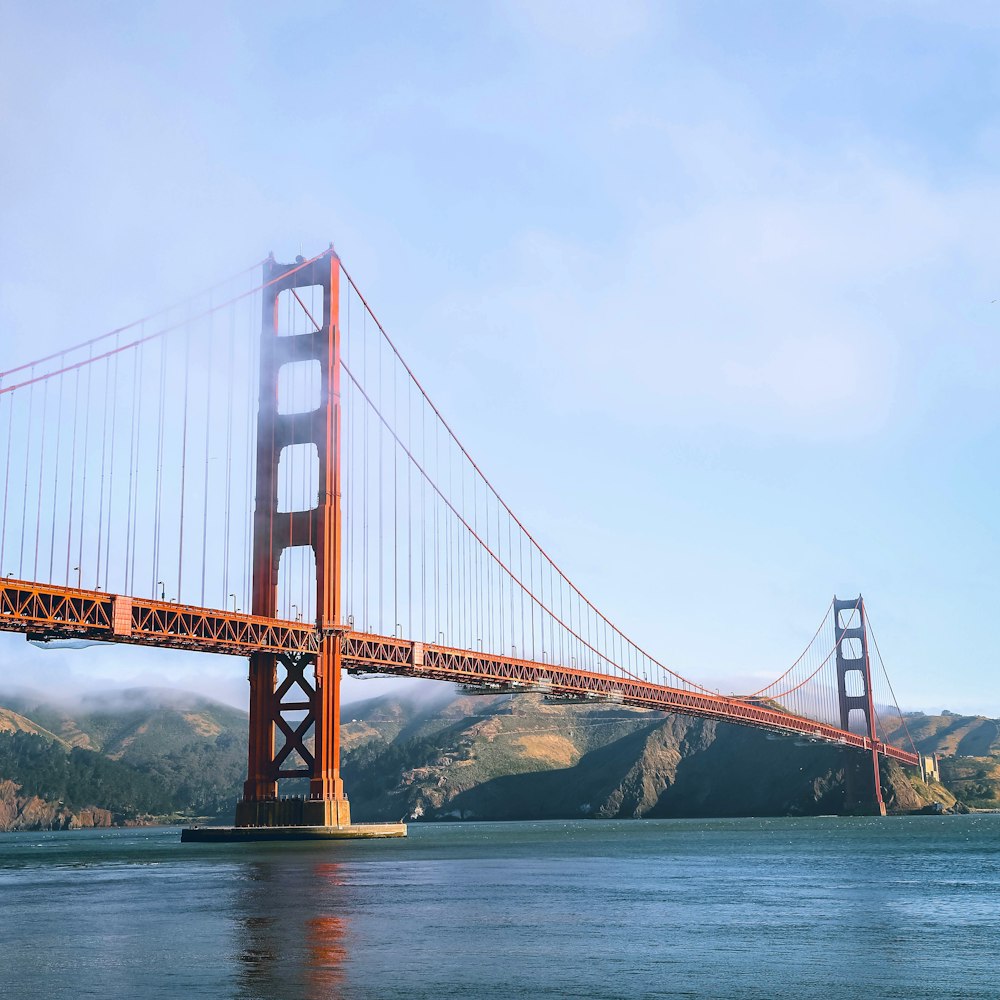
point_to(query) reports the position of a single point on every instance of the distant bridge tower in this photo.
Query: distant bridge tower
(297, 702)
(854, 677)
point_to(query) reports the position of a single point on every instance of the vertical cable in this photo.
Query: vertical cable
(184, 434)
(347, 342)
(381, 530)
(157, 523)
(72, 470)
(409, 512)
(6, 477)
(423, 526)
(41, 474)
(86, 463)
(395, 506)
(366, 582)
(27, 459)
(111, 471)
(210, 380)
(103, 480)
(249, 489)
(230, 381)
(133, 443)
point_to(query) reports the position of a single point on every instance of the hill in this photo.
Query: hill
(156, 753)
(506, 757)
(969, 749)
(150, 754)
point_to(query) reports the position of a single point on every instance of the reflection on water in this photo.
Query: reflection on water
(326, 954)
(809, 909)
(290, 930)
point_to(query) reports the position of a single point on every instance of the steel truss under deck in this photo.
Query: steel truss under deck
(46, 612)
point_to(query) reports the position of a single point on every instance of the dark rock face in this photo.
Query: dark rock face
(524, 758)
(453, 756)
(18, 812)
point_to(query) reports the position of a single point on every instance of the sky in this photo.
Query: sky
(710, 290)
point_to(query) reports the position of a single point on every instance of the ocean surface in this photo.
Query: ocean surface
(832, 908)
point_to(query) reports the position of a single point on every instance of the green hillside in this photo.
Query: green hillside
(969, 749)
(447, 755)
(151, 752)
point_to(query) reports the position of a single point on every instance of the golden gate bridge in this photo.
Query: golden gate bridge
(258, 472)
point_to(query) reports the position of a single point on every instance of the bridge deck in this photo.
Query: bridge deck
(47, 612)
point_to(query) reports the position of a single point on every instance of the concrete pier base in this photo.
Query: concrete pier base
(293, 811)
(247, 834)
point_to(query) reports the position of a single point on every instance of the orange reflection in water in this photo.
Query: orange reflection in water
(291, 931)
(326, 954)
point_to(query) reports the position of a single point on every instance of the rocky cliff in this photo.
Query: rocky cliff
(454, 756)
(30, 812)
(132, 755)
(526, 758)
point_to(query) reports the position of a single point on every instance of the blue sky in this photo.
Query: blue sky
(708, 289)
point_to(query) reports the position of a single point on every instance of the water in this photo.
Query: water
(832, 908)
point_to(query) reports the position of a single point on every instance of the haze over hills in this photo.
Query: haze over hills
(150, 754)
(131, 754)
(145, 722)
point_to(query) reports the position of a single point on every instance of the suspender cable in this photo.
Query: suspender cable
(206, 487)
(184, 448)
(55, 483)
(72, 470)
(41, 475)
(6, 482)
(111, 472)
(105, 433)
(227, 525)
(86, 463)
(27, 456)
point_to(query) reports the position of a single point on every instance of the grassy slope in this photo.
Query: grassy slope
(191, 749)
(461, 756)
(970, 753)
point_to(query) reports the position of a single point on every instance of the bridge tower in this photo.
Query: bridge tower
(308, 696)
(854, 672)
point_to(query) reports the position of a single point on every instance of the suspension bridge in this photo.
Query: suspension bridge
(258, 472)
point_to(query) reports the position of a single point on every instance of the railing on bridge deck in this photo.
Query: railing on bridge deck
(65, 612)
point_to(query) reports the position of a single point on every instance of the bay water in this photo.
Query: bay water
(903, 907)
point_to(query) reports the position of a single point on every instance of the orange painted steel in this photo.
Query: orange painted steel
(275, 532)
(860, 665)
(44, 611)
(380, 654)
(53, 612)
